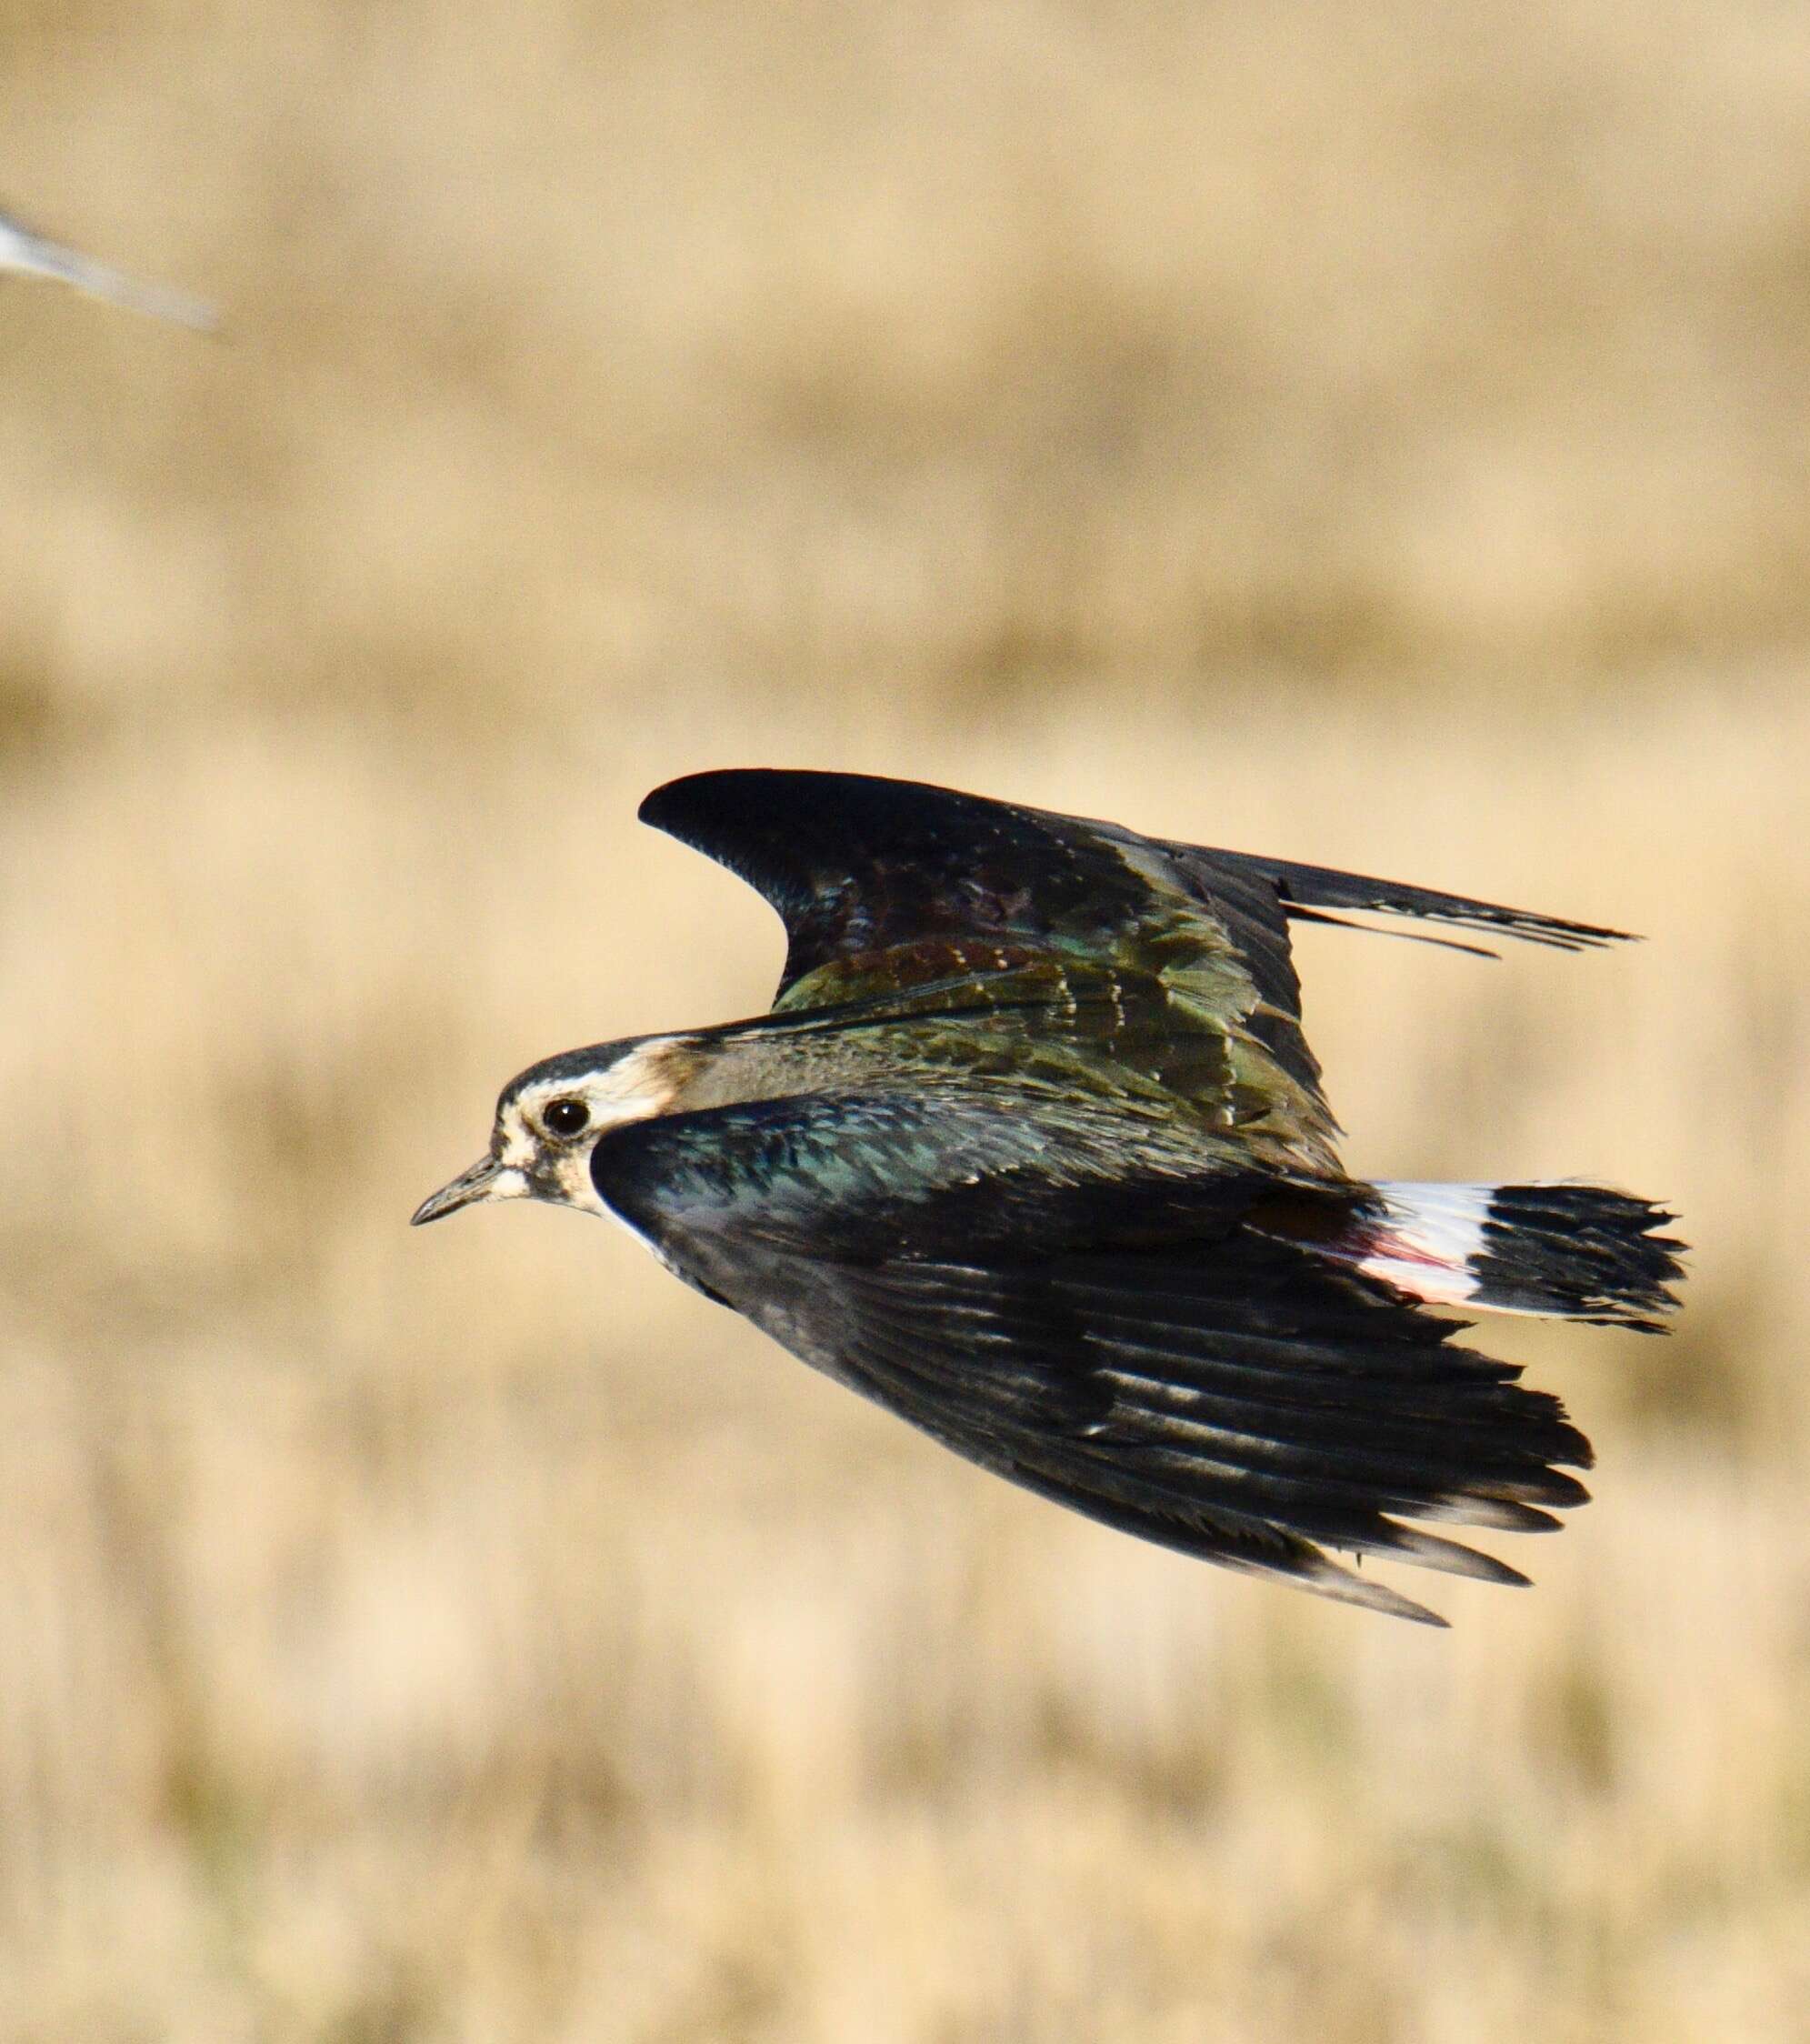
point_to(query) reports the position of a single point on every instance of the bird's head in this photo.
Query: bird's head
(549, 1117)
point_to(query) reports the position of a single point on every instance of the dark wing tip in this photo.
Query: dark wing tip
(722, 799)
(719, 796)
(1556, 933)
(780, 827)
(1304, 888)
(671, 795)
(675, 806)
(1561, 934)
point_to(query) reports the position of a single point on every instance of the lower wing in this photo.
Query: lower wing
(1232, 1394)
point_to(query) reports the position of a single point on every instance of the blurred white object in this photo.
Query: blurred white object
(30, 255)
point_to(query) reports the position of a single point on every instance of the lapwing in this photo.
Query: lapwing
(1032, 1149)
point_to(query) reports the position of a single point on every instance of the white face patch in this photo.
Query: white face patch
(645, 1082)
(546, 1127)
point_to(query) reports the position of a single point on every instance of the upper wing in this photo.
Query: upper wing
(879, 880)
(1152, 1355)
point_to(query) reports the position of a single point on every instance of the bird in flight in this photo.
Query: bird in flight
(1032, 1149)
(27, 254)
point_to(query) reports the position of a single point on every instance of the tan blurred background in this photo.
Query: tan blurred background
(1375, 434)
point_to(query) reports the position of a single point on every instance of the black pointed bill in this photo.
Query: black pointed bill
(487, 1179)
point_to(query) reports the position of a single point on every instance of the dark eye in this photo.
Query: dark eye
(565, 1116)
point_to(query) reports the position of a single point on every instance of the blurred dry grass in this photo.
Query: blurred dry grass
(1376, 435)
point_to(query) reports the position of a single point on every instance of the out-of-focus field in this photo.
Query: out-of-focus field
(1375, 433)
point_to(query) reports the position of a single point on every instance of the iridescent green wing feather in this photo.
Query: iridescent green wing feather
(893, 892)
(885, 887)
(885, 880)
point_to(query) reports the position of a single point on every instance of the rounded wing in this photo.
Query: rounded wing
(883, 883)
(1170, 1355)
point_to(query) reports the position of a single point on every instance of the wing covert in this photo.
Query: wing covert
(856, 864)
(883, 883)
